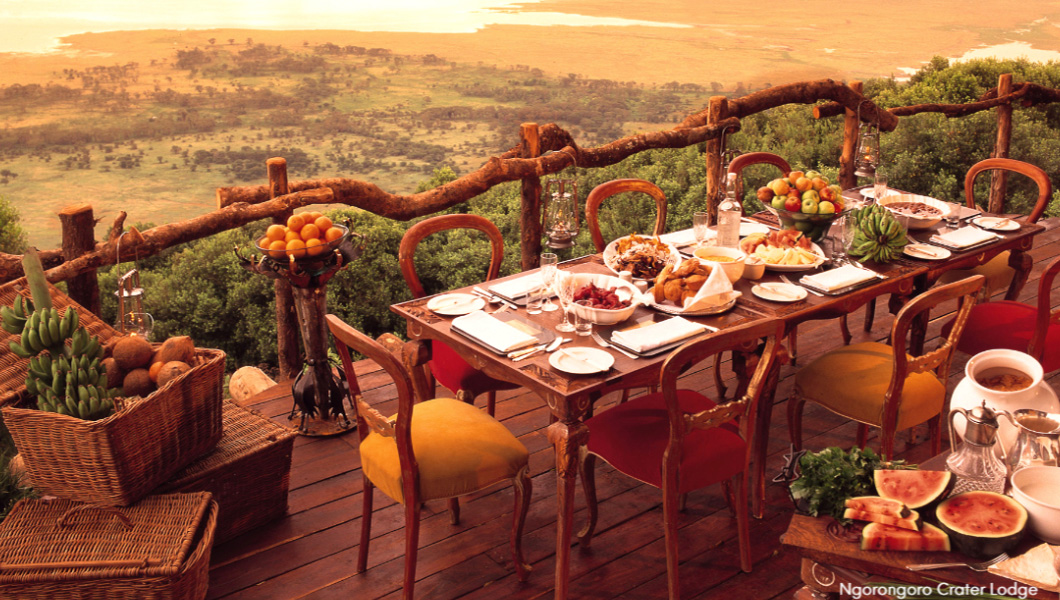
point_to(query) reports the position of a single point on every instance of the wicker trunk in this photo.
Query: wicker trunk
(247, 473)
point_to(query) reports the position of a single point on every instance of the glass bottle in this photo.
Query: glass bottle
(974, 463)
(729, 212)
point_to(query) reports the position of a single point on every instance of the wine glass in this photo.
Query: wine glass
(843, 237)
(700, 226)
(548, 278)
(879, 186)
(565, 294)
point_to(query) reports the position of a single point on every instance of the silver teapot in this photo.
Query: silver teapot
(1037, 438)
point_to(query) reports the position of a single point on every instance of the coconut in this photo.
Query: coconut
(115, 374)
(179, 348)
(132, 352)
(172, 370)
(137, 383)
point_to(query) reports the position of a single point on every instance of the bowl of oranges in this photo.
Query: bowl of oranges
(306, 237)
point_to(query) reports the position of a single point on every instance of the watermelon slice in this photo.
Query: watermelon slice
(910, 522)
(913, 488)
(982, 524)
(877, 536)
(878, 505)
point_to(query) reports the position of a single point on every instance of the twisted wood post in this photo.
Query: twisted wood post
(78, 227)
(716, 112)
(847, 179)
(530, 209)
(999, 177)
(288, 355)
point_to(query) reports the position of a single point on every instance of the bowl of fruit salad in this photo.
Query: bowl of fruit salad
(805, 202)
(613, 299)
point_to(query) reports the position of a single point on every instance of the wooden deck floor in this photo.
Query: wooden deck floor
(312, 550)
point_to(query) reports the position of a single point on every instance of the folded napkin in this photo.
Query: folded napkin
(518, 287)
(716, 291)
(1034, 567)
(493, 332)
(839, 278)
(684, 237)
(643, 339)
(964, 237)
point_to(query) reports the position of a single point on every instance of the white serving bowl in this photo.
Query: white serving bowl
(604, 316)
(734, 269)
(1012, 359)
(1037, 488)
(910, 222)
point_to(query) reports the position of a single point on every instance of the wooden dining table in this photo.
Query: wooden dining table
(570, 397)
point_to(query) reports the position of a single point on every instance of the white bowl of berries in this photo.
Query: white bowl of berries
(614, 299)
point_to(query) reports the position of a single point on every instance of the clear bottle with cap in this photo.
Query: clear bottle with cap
(729, 212)
(974, 462)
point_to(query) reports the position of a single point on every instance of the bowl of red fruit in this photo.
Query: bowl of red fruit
(613, 299)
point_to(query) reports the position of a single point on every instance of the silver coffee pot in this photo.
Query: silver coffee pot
(1037, 438)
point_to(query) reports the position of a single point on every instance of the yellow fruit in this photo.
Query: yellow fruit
(802, 184)
(277, 248)
(153, 371)
(295, 222)
(780, 187)
(291, 235)
(296, 248)
(332, 234)
(323, 223)
(310, 232)
(275, 232)
(794, 176)
(315, 247)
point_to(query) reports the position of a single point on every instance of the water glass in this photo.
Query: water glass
(583, 325)
(953, 218)
(548, 277)
(565, 294)
(879, 187)
(534, 302)
(700, 226)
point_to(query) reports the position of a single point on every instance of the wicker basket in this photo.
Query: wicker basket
(156, 550)
(248, 472)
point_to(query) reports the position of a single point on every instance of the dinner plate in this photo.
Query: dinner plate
(996, 223)
(673, 309)
(795, 268)
(747, 229)
(581, 360)
(926, 252)
(453, 305)
(870, 193)
(779, 292)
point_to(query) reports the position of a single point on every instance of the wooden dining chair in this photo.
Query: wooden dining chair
(882, 385)
(617, 186)
(678, 440)
(446, 365)
(435, 449)
(1017, 326)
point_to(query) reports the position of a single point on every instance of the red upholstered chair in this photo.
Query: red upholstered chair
(617, 186)
(446, 365)
(679, 440)
(430, 450)
(1017, 326)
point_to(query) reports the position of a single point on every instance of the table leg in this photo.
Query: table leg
(566, 438)
(1021, 264)
(761, 441)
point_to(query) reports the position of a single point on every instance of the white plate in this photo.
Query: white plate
(673, 309)
(785, 292)
(581, 360)
(870, 193)
(795, 268)
(453, 305)
(926, 252)
(747, 229)
(996, 223)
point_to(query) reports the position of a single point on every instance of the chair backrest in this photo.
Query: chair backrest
(617, 186)
(1045, 187)
(1046, 315)
(369, 420)
(416, 233)
(756, 158)
(744, 338)
(937, 360)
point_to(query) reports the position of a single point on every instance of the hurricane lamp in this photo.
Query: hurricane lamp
(561, 212)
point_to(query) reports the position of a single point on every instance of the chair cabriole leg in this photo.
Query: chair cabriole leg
(795, 406)
(524, 487)
(588, 474)
(366, 524)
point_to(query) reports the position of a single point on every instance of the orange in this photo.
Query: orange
(332, 234)
(295, 222)
(312, 216)
(323, 223)
(275, 232)
(153, 371)
(315, 247)
(291, 235)
(296, 248)
(264, 242)
(310, 232)
(276, 249)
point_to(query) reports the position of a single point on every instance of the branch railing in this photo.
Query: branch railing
(542, 151)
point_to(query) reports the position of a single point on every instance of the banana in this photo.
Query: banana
(82, 394)
(31, 384)
(71, 405)
(64, 325)
(102, 382)
(11, 322)
(94, 406)
(61, 409)
(46, 363)
(44, 331)
(53, 328)
(77, 344)
(35, 344)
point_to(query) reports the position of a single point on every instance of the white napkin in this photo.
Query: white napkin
(518, 287)
(965, 236)
(839, 278)
(684, 237)
(643, 339)
(716, 290)
(492, 331)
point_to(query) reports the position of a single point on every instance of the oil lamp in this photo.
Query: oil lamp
(131, 316)
(868, 153)
(561, 212)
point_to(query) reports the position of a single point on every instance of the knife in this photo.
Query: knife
(551, 347)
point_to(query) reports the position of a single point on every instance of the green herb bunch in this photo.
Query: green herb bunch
(831, 476)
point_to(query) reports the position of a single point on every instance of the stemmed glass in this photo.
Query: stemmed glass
(879, 187)
(843, 237)
(548, 278)
(700, 226)
(565, 294)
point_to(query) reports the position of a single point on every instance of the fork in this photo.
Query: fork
(605, 344)
(980, 566)
(785, 279)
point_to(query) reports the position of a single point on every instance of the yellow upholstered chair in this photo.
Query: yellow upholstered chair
(436, 449)
(881, 385)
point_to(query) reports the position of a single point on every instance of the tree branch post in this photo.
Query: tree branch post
(716, 112)
(288, 355)
(78, 225)
(530, 209)
(851, 127)
(999, 177)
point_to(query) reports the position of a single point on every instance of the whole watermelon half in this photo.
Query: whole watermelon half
(982, 524)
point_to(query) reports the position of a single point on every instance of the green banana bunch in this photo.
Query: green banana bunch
(14, 317)
(74, 382)
(43, 330)
(879, 236)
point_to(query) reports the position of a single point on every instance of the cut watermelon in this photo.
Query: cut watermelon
(982, 524)
(877, 536)
(880, 506)
(910, 522)
(915, 489)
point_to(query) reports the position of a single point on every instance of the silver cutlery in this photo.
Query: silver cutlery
(551, 347)
(599, 339)
(492, 298)
(980, 566)
(788, 281)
